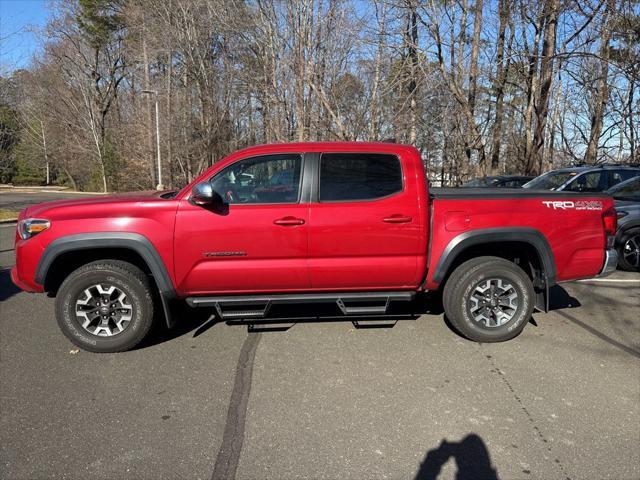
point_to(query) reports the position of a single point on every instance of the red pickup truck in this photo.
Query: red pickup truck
(352, 225)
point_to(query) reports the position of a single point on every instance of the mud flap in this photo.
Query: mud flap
(542, 297)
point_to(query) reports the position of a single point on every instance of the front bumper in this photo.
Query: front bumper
(610, 263)
(17, 281)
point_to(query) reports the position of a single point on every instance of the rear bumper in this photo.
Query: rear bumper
(610, 263)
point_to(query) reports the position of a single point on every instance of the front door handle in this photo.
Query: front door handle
(289, 221)
(397, 219)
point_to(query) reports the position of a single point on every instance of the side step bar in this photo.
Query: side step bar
(257, 306)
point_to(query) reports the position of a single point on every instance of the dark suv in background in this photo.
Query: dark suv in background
(627, 198)
(583, 179)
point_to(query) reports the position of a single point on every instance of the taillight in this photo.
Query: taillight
(610, 221)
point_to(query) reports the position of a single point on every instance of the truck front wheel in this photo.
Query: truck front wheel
(105, 306)
(488, 299)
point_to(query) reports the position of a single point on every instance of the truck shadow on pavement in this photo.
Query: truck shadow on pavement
(470, 454)
(200, 320)
(186, 321)
(7, 288)
(559, 299)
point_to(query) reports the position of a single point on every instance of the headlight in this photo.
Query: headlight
(29, 227)
(622, 213)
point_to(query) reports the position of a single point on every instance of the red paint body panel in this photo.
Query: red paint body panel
(576, 237)
(340, 246)
(266, 256)
(148, 215)
(352, 247)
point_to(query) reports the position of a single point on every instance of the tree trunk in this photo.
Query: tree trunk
(373, 109)
(74, 184)
(457, 62)
(602, 91)
(148, 117)
(500, 80)
(554, 122)
(552, 8)
(633, 156)
(532, 88)
(412, 57)
(167, 123)
(473, 69)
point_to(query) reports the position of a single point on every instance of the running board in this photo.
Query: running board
(258, 306)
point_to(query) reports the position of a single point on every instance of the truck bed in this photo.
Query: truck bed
(568, 225)
(448, 193)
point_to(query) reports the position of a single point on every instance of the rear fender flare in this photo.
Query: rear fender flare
(527, 235)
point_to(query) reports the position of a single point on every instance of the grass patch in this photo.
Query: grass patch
(8, 214)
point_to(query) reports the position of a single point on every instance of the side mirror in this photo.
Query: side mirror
(204, 195)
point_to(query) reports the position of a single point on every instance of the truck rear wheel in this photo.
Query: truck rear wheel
(488, 299)
(105, 306)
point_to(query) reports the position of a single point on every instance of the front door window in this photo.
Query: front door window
(260, 180)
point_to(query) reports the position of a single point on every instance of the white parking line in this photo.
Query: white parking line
(610, 280)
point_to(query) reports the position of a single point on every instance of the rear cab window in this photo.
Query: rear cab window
(346, 177)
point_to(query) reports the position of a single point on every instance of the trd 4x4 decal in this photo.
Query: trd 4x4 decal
(569, 205)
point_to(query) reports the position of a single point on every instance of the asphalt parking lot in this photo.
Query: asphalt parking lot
(326, 399)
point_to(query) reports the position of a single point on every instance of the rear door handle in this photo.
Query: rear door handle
(397, 219)
(289, 221)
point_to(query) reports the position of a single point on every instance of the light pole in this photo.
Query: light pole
(154, 92)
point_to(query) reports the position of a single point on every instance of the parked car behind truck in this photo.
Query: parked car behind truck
(499, 181)
(353, 225)
(583, 179)
(627, 204)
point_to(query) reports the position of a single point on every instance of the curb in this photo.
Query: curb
(8, 221)
(610, 280)
(34, 190)
(32, 187)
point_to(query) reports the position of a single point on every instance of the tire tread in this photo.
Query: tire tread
(126, 269)
(457, 283)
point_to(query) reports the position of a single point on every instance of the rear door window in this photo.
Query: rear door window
(359, 176)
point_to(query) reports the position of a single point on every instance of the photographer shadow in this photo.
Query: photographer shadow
(470, 454)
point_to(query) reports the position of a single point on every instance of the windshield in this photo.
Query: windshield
(629, 190)
(550, 181)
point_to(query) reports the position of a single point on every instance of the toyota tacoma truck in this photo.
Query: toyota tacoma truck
(350, 225)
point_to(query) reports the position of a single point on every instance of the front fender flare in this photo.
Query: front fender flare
(132, 241)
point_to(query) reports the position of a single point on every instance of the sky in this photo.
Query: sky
(18, 43)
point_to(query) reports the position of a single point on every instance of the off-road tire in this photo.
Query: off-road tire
(127, 278)
(472, 274)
